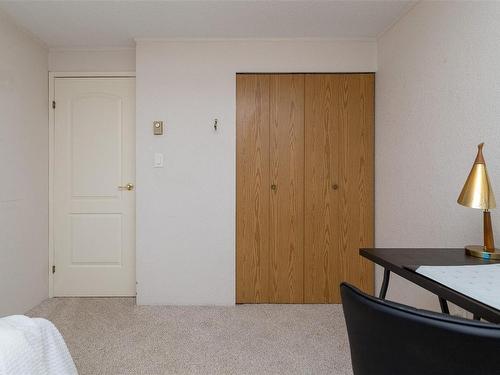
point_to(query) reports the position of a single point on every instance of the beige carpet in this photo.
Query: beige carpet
(114, 336)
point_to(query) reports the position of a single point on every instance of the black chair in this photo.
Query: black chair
(391, 339)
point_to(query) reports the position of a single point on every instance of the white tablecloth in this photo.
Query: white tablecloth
(480, 282)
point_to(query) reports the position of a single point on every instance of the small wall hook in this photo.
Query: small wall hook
(216, 124)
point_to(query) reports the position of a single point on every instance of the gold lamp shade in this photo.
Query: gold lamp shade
(477, 191)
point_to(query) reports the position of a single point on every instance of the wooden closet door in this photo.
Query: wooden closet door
(252, 188)
(322, 148)
(287, 188)
(338, 183)
(356, 187)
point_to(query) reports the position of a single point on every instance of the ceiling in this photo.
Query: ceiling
(98, 24)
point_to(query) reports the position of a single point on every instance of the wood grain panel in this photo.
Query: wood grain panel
(252, 188)
(321, 201)
(311, 136)
(356, 204)
(287, 200)
(338, 183)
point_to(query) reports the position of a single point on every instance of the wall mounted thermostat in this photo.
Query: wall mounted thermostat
(158, 127)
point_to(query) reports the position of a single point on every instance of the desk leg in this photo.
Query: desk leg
(385, 284)
(444, 306)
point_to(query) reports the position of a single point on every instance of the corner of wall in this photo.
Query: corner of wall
(24, 165)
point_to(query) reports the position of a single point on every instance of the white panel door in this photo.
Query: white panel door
(94, 159)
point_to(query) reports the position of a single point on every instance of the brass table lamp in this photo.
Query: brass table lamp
(477, 193)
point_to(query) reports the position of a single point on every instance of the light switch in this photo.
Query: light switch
(158, 162)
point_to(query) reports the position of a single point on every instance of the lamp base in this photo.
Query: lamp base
(479, 251)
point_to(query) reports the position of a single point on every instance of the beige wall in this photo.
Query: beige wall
(186, 210)
(92, 60)
(23, 170)
(437, 97)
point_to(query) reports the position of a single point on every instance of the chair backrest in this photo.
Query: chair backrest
(388, 338)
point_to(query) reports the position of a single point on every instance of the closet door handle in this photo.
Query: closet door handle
(335, 186)
(274, 187)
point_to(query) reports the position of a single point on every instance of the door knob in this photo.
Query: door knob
(335, 186)
(273, 187)
(126, 187)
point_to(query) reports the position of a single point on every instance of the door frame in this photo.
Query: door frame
(52, 81)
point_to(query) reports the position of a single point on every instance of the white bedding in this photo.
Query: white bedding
(32, 346)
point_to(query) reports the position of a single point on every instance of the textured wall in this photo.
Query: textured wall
(92, 60)
(437, 97)
(186, 211)
(23, 170)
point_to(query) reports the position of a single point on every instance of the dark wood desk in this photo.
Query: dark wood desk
(404, 262)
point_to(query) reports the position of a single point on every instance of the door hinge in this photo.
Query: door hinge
(54, 104)
(53, 269)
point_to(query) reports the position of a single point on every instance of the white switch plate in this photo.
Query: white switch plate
(158, 162)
